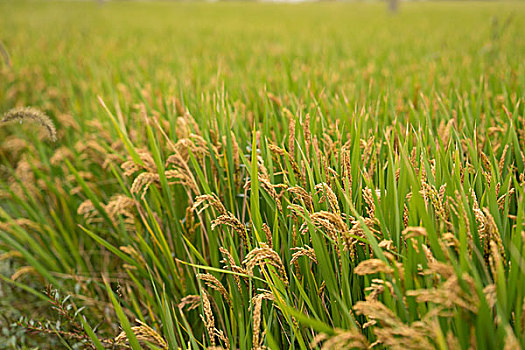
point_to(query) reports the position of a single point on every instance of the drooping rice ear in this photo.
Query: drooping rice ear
(33, 115)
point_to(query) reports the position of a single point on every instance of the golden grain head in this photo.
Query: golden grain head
(33, 115)
(144, 334)
(265, 183)
(411, 232)
(208, 200)
(387, 244)
(24, 270)
(10, 255)
(372, 266)
(369, 200)
(143, 182)
(303, 195)
(208, 318)
(229, 261)
(176, 160)
(265, 255)
(341, 339)
(450, 294)
(291, 131)
(491, 294)
(303, 251)
(212, 282)
(87, 210)
(268, 234)
(511, 341)
(327, 194)
(190, 302)
(256, 307)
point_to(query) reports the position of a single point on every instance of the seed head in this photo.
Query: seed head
(33, 115)
(191, 301)
(265, 255)
(214, 283)
(303, 251)
(371, 266)
(144, 334)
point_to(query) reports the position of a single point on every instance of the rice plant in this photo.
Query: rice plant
(262, 176)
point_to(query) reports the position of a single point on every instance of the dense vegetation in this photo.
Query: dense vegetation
(262, 175)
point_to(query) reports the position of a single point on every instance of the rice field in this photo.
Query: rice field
(262, 176)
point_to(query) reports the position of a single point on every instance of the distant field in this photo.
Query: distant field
(257, 175)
